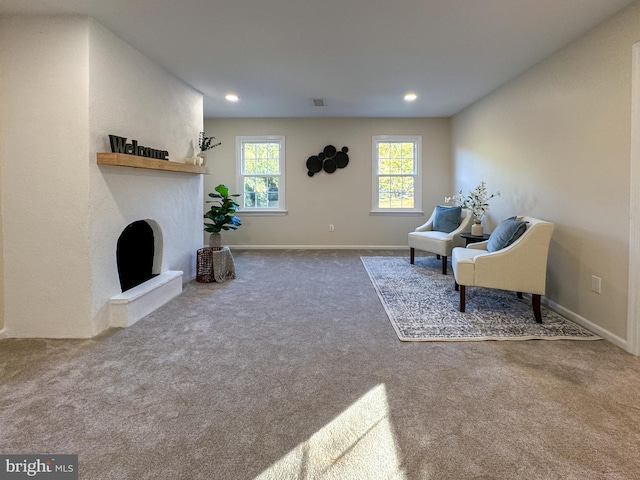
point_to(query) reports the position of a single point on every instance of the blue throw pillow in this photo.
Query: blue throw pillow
(507, 232)
(447, 218)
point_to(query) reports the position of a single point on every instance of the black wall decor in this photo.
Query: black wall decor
(328, 160)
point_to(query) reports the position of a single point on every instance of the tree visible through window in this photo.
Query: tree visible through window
(396, 173)
(261, 167)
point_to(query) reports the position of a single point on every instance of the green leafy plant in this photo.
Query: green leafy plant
(206, 143)
(222, 213)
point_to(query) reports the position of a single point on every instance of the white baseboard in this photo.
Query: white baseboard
(580, 320)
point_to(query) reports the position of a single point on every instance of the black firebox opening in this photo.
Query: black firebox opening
(135, 255)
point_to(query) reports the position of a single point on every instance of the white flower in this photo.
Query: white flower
(477, 201)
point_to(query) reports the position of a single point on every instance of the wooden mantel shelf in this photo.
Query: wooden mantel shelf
(135, 161)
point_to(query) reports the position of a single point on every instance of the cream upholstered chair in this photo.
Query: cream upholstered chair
(441, 243)
(519, 267)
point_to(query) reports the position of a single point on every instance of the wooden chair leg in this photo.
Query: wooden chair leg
(444, 265)
(519, 295)
(412, 255)
(535, 301)
(462, 298)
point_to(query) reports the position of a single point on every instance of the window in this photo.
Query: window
(396, 173)
(261, 173)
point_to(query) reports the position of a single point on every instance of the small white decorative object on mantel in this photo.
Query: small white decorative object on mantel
(205, 143)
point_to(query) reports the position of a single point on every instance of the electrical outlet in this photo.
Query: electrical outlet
(596, 284)
(331, 227)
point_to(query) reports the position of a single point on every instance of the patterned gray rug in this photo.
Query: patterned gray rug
(423, 306)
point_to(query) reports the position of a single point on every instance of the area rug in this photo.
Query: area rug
(423, 305)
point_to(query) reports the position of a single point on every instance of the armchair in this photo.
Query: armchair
(519, 267)
(441, 243)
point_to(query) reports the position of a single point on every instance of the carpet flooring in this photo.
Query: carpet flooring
(423, 305)
(293, 371)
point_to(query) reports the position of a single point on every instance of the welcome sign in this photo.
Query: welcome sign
(120, 145)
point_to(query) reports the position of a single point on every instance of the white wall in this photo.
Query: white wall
(132, 97)
(1, 236)
(342, 198)
(556, 143)
(45, 191)
(2, 155)
(66, 84)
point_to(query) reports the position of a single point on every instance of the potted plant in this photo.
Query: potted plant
(221, 215)
(477, 202)
(205, 143)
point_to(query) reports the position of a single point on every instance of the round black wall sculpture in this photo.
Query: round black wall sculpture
(328, 160)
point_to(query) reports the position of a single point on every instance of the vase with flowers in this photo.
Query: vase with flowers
(205, 143)
(477, 202)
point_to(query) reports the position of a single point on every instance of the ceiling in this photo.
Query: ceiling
(359, 56)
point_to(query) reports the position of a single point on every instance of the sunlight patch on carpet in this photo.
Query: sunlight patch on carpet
(422, 305)
(359, 443)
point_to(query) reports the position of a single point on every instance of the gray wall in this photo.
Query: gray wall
(342, 198)
(556, 143)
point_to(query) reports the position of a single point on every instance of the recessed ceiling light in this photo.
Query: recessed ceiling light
(410, 97)
(232, 97)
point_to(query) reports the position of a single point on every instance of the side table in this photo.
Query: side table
(214, 265)
(474, 238)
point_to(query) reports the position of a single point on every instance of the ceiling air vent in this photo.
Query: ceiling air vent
(319, 102)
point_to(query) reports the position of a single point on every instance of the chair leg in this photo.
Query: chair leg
(444, 265)
(412, 255)
(462, 298)
(456, 286)
(535, 301)
(519, 295)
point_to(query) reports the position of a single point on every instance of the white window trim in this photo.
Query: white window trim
(417, 186)
(281, 209)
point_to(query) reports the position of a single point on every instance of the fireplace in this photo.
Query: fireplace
(139, 254)
(134, 254)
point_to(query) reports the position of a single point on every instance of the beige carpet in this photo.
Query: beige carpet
(293, 371)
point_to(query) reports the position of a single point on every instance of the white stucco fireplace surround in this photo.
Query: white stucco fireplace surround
(97, 85)
(171, 202)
